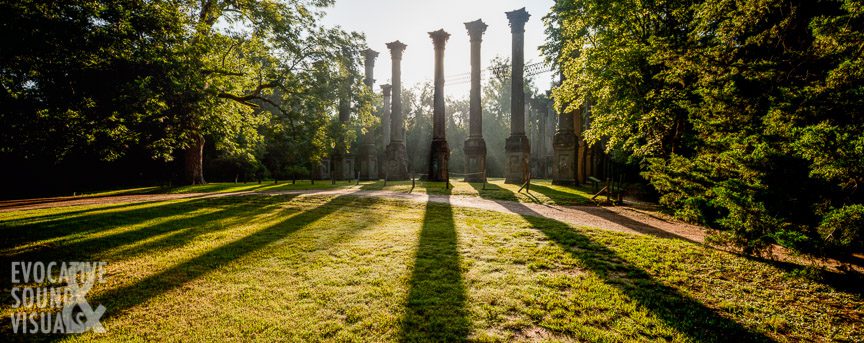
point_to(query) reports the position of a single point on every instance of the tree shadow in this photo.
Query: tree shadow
(4, 204)
(380, 185)
(119, 299)
(80, 223)
(42, 218)
(634, 225)
(494, 192)
(560, 197)
(849, 282)
(179, 232)
(600, 212)
(435, 309)
(182, 231)
(675, 309)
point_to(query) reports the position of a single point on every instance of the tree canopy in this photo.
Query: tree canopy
(744, 115)
(107, 80)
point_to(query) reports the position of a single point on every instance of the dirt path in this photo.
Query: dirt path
(620, 218)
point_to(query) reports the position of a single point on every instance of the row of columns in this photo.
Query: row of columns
(395, 166)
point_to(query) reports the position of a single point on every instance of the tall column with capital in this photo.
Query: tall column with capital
(439, 154)
(368, 156)
(475, 146)
(397, 155)
(517, 146)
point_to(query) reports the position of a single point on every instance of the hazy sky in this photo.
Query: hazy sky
(410, 21)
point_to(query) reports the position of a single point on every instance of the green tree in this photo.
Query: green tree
(87, 81)
(243, 51)
(726, 104)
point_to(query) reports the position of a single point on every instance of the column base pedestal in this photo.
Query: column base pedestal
(397, 162)
(337, 166)
(439, 157)
(518, 150)
(564, 159)
(475, 159)
(368, 163)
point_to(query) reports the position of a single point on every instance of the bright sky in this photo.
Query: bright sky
(410, 21)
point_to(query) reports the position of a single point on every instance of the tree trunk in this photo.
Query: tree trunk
(193, 161)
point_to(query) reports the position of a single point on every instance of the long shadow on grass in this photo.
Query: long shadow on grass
(599, 212)
(15, 233)
(435, 310)
(120, 299)
(179, 231)
(64, 214)
(677, 310)
(116, 301)
(560, 197)
(83, 246)
(47, 200)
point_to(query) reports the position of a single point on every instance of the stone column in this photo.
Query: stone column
(475, 146)
(439, 154)
(368, 157)
(385, 131)
(341, 163)
(564, 151)
(517, 147)
(585, 154)
(551, 124)
(369, 57)
(397, 156)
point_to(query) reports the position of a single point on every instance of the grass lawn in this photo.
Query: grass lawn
(316, 267)
(542, 191)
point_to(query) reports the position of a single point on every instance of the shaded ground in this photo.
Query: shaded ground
(564, 204)
(495, 198)
(341, 267)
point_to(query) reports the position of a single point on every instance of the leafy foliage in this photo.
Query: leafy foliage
(746, 116)
(90, 81)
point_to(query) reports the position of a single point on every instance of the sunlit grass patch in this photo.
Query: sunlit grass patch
(282, 185)
(314, 268)
(541, 191)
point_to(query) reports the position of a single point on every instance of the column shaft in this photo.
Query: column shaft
(368, 156)
(439, 154)
(397, 156)
(475, 146)
(518, 147)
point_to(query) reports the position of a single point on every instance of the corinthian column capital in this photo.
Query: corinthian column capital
(476, 29)
(517, 19)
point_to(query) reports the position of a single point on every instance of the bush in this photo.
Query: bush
(843, 229)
